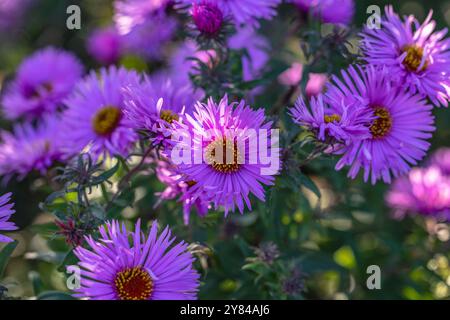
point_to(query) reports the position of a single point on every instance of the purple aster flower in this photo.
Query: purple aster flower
(329, 11)
(155, 103)
(417, 57)
(256, 47)
(31, 148)
(6, 210)
(334, 123)
(152, 268)
(423, 191)
(402, 123)
(207, 16)
(105, 45)
(94, 118)
(221, 155)
(244, 12)
(441, 159)
(177, 188)
(43, 80)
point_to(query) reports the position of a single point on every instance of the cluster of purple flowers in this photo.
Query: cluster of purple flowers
(377, 117)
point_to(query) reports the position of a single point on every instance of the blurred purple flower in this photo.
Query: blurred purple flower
(43, 80)
(441, 159)
(402, 124)
(228, 125)
(149, 38)
(256, 49)
(152, 268)
(131, 13)
(316, 84)
(31, 148)
(417, 57)
(105, 45)
(423, 191)
(292, 76)
(11, 13)
(182, 62)
(6, 210)
(329, 11)
(94, 118)
(244, 12)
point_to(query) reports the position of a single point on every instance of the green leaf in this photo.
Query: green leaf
(106, 175)
(69, 259)
(5, 255)
(55, 295)
(309, 184)
(36, 281)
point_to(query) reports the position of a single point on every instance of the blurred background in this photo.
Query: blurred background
(321, 247)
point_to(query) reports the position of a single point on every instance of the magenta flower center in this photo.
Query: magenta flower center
(134, 284)
(168, 116)
(207, 17)
(414, 57)
(106, 120)
(223, 156)
(383, 124)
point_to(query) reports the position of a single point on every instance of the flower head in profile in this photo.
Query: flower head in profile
(94, 118)
(329, 11)
(30, 148)
(401, 124)
(223, 149)
(105, 45)
(417, 56)
(43, 80)
(336, 124)
(6, 210)
(208, 18)
(156, 103)
(125, 265)
(177, 188)
(243, 12)
(424, 191)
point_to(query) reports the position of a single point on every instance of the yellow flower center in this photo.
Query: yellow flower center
(413, 59)
(168, 116)
(383, 124)
(134, 284)
(223, 156)
(332, 118)
(106, 120)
